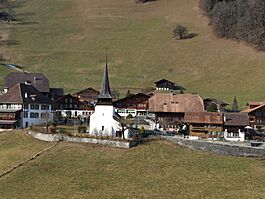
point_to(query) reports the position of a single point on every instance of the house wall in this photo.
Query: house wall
(124, 112)
(76, 113)
(206, 131)
(169, 120)
(36, 116)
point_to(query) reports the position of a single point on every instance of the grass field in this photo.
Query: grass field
(66, 40)
(156, 169)
(15, 147)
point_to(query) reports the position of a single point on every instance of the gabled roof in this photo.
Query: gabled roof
(236, 119)
(38, 80)
(253, 109)
(164, 80)
(203, 118)
(171, 85)
(175, 103)
(87, 90)
(133, 96)
(254, 103)
(22, 93)
(216, 101)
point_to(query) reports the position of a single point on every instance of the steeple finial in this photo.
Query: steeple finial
(106, 56)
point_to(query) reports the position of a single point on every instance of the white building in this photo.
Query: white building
(23, 105)
(104, 121)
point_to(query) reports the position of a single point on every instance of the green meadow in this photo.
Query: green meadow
(155, 169)
(66, 40)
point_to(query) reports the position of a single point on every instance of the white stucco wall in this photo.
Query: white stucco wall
(102, 122)
(76, 113)
(36, 121)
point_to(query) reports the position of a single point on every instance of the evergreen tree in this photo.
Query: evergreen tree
(235, 105)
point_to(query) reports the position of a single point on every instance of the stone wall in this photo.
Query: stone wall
(220, 147)
(61, 137)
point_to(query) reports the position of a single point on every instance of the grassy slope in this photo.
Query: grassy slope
(15, 147)
(66, 40)
(154, 170)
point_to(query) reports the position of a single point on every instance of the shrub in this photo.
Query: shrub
(142, 130)
(52, 129)
(180, 31)
(82, 129)
(129, 116)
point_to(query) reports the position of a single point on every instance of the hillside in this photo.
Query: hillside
(153, 170)
(66, 40)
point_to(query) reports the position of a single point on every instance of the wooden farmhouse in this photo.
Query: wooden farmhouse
(235, 123)
(166, 85)
(204, 124)
(134, 104)
(37, 80)
(69, 106)
(170, 108)
(88, 95)
(256, 114)
(210, 103)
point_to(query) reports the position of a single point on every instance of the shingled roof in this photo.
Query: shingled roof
(38, 80)
(22, 93)
(204, 118)
(170, 102)
(236, 119)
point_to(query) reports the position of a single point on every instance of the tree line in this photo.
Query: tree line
(243, 20)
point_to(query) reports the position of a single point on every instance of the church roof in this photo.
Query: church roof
(105, 92)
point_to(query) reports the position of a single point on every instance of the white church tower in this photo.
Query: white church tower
(104, 121)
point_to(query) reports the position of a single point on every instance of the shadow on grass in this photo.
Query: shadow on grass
(28, 23)
(9, 42)
(188, 36)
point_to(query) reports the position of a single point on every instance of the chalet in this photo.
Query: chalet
(252, 105)
(37, 80)
(256, 114)
(88, 95)
(167, 85)
(170, 108)
(234, 126)
(204, 124)
(22, 106)
(135, 104)
(69, 106)
(211, 103)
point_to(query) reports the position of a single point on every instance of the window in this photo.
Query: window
(34, 106)
(44, 115)
(102, 128)
(34, 115)
(44, 107)
(26, 106)
(26, 115)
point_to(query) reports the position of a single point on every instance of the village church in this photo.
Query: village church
(104, 121)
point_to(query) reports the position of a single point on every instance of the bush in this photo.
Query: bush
(52, 129)
(142, 130)
(129, 116)
(180, 31)
(82, 129)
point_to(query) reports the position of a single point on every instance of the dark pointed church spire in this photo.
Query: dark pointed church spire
(104, 96)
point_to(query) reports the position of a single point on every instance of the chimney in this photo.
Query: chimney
(27, 82)
(5, 89)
